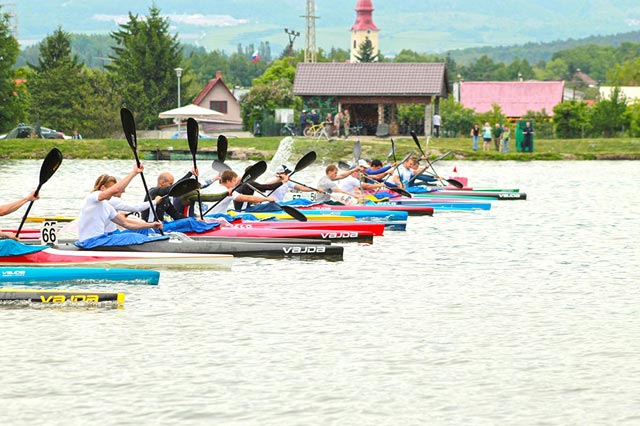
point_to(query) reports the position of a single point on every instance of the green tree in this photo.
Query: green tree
(492, 116)
(571, 119)
(57, 86)
(457, 119)
(609, 116)
(11, 107)
(634, 119)
(365, 52)
(542, 120)
(263, 99)
(625, 74)
(279, 69)
(145, 57)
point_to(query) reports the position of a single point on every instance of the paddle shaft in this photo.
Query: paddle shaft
(26, 214)
(291, 211)
(451, 181)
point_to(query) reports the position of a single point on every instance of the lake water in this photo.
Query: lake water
(524, 314)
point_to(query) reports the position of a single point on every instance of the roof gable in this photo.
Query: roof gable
(514, 97)
(370, 79)
(208, 88)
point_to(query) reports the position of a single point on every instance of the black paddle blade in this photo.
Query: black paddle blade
(455, 183)
(406, 157)
(294, 213)
(400, 191)
(129, 127)
(415, 139)
(192, 135)
(49, 166)
(305, 161)
(393, 150)
(254, 172)
(223, 144)
(182, 187)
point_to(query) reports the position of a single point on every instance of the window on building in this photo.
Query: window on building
(354, 44)
(220, 106)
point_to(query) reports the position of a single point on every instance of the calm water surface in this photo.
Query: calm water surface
(526, 314)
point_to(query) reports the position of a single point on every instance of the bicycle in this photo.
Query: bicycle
(313, 131)
(289, 130)
(354, 131)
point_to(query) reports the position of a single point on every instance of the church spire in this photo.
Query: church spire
(363, 28)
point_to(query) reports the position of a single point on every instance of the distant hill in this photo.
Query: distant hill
(430, 26)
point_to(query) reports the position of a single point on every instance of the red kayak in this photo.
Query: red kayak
(377, 229)
(411, 210)
(267, 232)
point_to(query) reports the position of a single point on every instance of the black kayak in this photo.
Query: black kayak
(276, 250)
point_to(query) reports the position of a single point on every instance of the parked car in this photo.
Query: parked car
(24, 131)
(183, 135)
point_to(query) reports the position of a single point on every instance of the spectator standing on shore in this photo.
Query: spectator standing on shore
(328, 124)
(314, 118)
(527, 142)
(486, 136)
(347, 123)
(338, 122)
(303, 122)
(437, 122)
(475, 134)
(506, 132)
(497, 136)
(76, 135)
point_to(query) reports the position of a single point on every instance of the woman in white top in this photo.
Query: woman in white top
(97, 213)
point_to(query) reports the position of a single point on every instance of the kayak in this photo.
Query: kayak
(396, 221)
(17, 254)
(438, 205)
(59, 296)
(376, 228)
(236, 248)
(460, 193)
(284, 216)
(356, 209)
(40, 275)
(259, 232)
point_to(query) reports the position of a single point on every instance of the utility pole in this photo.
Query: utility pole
(292, 36)
(310, 34)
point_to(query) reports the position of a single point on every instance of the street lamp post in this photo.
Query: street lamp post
(179, 74)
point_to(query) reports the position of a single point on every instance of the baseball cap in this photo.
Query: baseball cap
(283, 169)
(363, 163)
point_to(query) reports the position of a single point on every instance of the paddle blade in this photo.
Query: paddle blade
(393, 150)
(182, 187)
(219, 166)
(49, 166)
(192, 136)
(401, 191)
(406, 157)
(129, 127)
(223, 144)
(455, 183)
(344, 166)
(305, 161)
(294, 213)
(254, 172)
(417, 142)
(357, 151)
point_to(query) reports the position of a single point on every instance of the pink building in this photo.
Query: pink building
(514, 97)
(217, 96)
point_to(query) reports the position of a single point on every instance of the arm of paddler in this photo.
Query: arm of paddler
(193, 196)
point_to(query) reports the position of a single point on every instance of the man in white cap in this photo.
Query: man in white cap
(282, 175)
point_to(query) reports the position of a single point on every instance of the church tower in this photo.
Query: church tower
(363, 28)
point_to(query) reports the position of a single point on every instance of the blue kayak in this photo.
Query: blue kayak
(34, 275)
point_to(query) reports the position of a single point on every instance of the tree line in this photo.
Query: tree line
(75, 82)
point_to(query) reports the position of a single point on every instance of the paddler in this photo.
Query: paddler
(97, 213)
(230, 179)
(9, 208)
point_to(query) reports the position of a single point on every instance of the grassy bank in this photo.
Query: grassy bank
(264, 148)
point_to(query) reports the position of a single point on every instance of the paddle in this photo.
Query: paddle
(192, 135)
(49, 166)
(393, 149)
(252, 173)
(302, 164)
(219, 166)
(453, 182)
(129, 127)
(345, 166)
(291, 211)
(357, 150)
(307, 186)
(178, 189)
(223, 144)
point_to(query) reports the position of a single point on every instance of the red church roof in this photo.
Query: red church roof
(514, 97)
(364, 18)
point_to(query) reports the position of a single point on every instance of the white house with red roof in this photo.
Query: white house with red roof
(514, 97)
(363, 28)
(217, 96)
